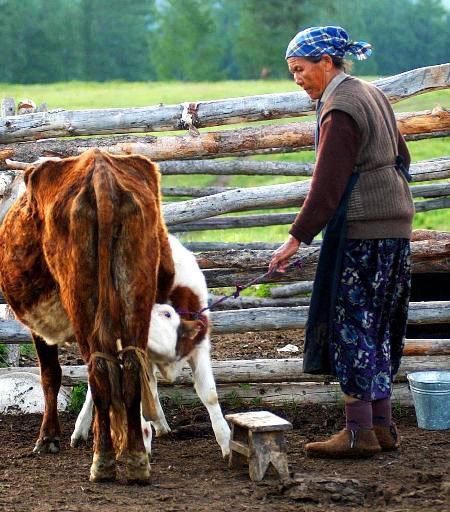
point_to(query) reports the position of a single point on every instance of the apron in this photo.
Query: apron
(316, 358)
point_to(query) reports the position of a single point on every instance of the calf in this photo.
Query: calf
(189, 294)
(82, 255)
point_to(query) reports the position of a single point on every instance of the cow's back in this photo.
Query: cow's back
(96, 229)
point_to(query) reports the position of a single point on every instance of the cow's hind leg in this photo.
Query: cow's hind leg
(134, 456)
(49, 436)
(103, 468)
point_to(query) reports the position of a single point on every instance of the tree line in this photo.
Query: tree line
(46, 41)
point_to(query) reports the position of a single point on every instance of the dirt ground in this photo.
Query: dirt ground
(188, 473)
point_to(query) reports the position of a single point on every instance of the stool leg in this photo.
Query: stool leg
(266, 448)
(236, 459)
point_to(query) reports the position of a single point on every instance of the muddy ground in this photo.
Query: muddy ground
(188, 473)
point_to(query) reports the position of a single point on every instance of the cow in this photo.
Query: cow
(189, 294)
(84, 255)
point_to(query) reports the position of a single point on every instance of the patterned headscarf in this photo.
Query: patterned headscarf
(334, 41)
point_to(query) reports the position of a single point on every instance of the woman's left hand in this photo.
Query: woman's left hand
(281, 256)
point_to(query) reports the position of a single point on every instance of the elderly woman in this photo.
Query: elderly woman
(360, 195)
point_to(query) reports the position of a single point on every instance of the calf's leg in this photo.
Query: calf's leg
(205, 387)
(84, 421)
(49, 436)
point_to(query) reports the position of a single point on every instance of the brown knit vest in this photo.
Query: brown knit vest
(381, 205)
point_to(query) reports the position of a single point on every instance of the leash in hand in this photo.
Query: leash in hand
(239, 288)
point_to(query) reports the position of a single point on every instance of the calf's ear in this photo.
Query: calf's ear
(190, 328)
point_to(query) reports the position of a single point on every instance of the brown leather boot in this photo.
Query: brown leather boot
(356, 444)
(388, 437)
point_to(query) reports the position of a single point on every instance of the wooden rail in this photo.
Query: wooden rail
(243, 141)
(258, 319)
(262, 381)
(61, 123)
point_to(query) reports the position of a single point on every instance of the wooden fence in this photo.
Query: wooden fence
(26, 137)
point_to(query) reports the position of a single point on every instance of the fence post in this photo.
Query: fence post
(12, 355)
(8, 107)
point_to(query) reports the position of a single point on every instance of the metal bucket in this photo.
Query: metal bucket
(431, 395)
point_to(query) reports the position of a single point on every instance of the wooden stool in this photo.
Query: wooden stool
(257, 439)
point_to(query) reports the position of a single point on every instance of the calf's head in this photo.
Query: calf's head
(171, 337)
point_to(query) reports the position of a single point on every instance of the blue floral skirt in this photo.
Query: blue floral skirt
(371, 313)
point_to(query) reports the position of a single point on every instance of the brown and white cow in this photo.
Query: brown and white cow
(83, 254)
(189, 293)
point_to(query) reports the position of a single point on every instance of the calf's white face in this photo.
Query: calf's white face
(164, 332)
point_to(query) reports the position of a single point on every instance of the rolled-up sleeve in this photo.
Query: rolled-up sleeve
(336, 159)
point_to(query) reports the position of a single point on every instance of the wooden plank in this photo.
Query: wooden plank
(277, 219)
(429, 347)
(8, 107)
(237, 446)
(259, 421)
(246, 302)
(259, 319)
(291, 135)
(235, 167)
(61, 123)
(433, 190)
(243, 371)
(430, 252)
(268, 138)
(268, 196)
(436, 168)
(289, 290)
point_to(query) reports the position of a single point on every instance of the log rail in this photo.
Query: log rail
(61, 123)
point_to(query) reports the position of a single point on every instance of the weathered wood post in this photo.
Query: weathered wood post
(8, 107)
(12, 354)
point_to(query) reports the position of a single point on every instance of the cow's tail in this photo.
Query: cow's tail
(108, 315)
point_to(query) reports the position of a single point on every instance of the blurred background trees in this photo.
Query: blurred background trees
(47, 41)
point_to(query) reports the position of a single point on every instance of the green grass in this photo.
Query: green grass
(82, 95)
(77, 398)
(3, 362)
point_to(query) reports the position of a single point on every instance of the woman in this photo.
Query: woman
(359, 192)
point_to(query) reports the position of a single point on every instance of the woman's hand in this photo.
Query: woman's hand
(280, 258)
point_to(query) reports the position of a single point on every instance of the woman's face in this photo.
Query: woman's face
(313, 77)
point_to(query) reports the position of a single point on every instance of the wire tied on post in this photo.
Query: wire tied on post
(189, 118)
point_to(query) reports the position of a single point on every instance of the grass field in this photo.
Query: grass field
(80, 95)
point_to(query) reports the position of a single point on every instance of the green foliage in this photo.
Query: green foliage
(116, 39)
(45, 41)
(3, 363)
(27, 350)
(184, 46)
(232, 400)
(262, 290)
(77, 398)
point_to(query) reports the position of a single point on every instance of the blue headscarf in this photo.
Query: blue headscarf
(334, 41)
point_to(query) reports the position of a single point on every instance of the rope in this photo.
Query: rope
(189, 118)
(148, 401)
(145, 377)
(237, 292)
(103, 355)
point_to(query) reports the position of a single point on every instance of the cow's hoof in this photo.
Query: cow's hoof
(103, 468)
(47, 445)
(137, 467)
